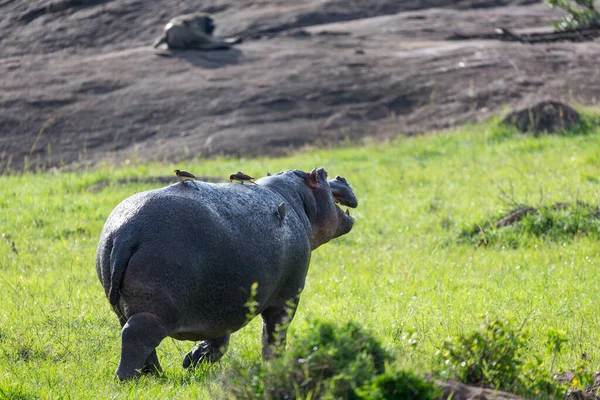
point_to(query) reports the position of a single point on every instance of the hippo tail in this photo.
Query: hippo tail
(119, 259)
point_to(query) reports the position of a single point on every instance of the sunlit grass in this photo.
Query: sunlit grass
(401, 272)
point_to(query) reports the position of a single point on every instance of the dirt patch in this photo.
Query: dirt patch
(459, 391)
(81, 83)
(515, 216)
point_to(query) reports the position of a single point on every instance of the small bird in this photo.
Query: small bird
(268, 173)
(185, 176)
(241, 177)
(281, 212)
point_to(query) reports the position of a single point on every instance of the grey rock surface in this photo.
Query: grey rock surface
(81, 83)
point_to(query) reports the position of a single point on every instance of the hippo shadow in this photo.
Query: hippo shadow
(209, 59)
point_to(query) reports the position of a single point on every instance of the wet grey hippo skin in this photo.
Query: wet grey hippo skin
(181, 262)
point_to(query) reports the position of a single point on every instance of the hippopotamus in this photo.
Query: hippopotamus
(199, 264)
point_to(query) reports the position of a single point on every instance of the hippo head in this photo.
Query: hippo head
(329, 221)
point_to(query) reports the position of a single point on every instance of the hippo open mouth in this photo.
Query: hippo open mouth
(340, 202)
(343, 195)
(345, 215)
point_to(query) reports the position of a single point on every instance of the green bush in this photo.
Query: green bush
(493, 357)
(488, 356)
(399, 385)
(330, 362)
(580, 14)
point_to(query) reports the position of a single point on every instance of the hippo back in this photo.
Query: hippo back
(180, 251)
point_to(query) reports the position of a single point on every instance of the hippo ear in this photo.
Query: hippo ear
(312, 179)
(322, 174)
(341, 179)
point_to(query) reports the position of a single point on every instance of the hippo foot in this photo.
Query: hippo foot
(152, 366)
(207, 351)
(140, 336)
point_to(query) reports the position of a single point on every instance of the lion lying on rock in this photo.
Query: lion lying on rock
(193, 31)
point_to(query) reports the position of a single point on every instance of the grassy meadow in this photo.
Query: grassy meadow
(403, 272)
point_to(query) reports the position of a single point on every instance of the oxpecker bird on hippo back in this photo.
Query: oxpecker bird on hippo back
(187, 263)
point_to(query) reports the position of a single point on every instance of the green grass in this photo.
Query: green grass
(402, 272)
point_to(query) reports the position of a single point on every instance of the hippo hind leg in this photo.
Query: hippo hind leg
(151, 366)
(210, 351)
(140, 336)
(276, 320)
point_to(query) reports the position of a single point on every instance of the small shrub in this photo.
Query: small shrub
(583, 378)
(399, 385)
(588, 123)
(490, 355)
(493, 356)
(544, 117)
(331, 362)
(580, 14)
(559, 222)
